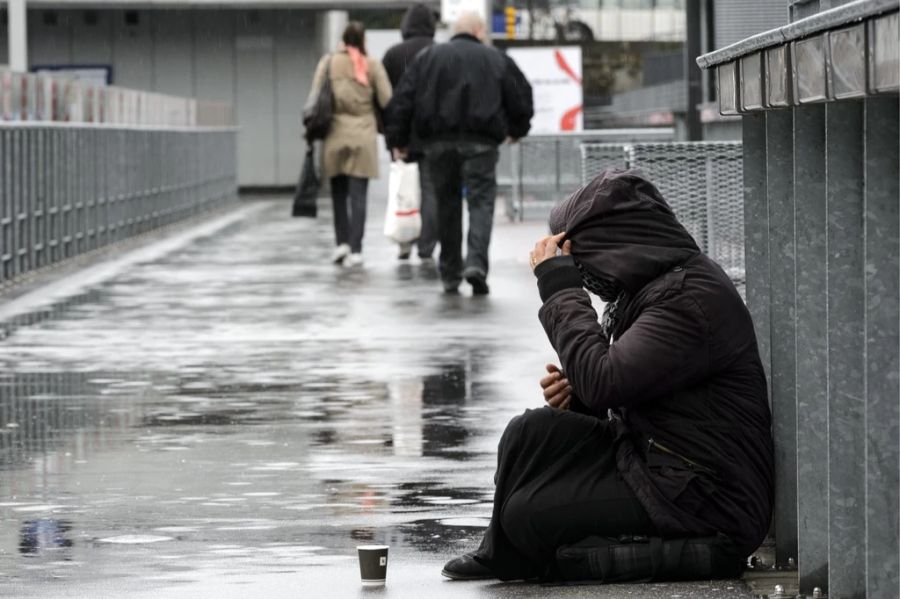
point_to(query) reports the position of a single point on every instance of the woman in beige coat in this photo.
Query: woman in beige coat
(350, 153)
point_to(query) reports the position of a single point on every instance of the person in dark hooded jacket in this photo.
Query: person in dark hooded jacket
(417, 28)
(658, 423)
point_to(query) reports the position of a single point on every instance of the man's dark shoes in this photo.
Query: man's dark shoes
(465, 567)
(478, 281)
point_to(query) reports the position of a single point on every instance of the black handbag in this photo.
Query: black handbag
(320, 108)
(307, 188)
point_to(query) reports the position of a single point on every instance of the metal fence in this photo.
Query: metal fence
(701, 181)
(540, 170)
(65, 190)
(84, 166)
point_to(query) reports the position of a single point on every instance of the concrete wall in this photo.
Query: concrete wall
(260, 61)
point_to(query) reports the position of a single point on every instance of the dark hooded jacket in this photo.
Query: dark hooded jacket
(682, 381)
(459, 91)
(417, 29)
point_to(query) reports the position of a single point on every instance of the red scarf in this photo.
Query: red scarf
(360, 65)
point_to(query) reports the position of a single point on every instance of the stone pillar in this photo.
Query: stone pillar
(329, 29)
(18, 35)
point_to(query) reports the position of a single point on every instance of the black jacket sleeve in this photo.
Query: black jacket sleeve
(400, 111)
(556, 274)
(517, 100)
(665, 350)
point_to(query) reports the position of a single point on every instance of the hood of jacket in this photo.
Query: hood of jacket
(417, 22)
(622, 228)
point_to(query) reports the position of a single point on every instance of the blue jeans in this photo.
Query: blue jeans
(452, 166)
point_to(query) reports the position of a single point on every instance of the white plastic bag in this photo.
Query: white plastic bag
(403, 223)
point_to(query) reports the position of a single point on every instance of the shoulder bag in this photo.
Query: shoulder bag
(319, 108)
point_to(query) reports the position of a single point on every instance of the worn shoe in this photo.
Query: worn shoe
(405, 250)
(340, 252)
(465, 567)
(477, 280)
(354, 260)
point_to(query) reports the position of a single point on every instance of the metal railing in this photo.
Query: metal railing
(75, 177)
(540, 170)
(819, 106)
(30, 97)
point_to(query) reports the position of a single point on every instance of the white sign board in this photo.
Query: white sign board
(555, 77)
(451, 9)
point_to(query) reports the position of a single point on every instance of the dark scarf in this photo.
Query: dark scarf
(610, 292)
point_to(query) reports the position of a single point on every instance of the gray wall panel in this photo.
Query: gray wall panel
(882, 268)
(132, 51)
(214, 59)
(49, 44)
(812, 346)
(4, 45)
(846, 358)
(173, 50)
(92, 42)
(255, 101)
(261, 62)
(295, 63)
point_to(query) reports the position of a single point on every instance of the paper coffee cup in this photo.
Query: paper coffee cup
(373, 564)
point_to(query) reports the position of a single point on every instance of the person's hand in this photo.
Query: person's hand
(557, 390)
(547, 247)
(400, 153)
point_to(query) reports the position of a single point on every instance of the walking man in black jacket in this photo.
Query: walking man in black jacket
(417, 28)
(462, 99)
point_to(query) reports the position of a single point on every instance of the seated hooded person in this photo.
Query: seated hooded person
(658, 423)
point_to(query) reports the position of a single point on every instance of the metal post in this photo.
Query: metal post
(756, 232)
(712, 198)
(694, 79)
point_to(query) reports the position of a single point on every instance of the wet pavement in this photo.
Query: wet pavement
(227, 414)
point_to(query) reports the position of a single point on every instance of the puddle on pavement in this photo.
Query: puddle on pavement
(233, 406)
(259, 464)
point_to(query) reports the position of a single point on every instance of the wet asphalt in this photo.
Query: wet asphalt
(226, 413)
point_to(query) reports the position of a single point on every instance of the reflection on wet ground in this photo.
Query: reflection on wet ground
(241, 406)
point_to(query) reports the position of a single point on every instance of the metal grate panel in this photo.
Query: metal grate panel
(596, 158)
(541, 170)
(702, 181)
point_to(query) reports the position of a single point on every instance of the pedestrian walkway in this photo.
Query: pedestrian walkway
(229, 415)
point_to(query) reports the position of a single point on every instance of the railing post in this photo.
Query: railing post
(846, 343)
(882, 337)
(812, 347)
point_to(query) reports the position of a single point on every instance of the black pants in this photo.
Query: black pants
(556, 484)
(454, 165)
(348, 197)
(428, 210)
